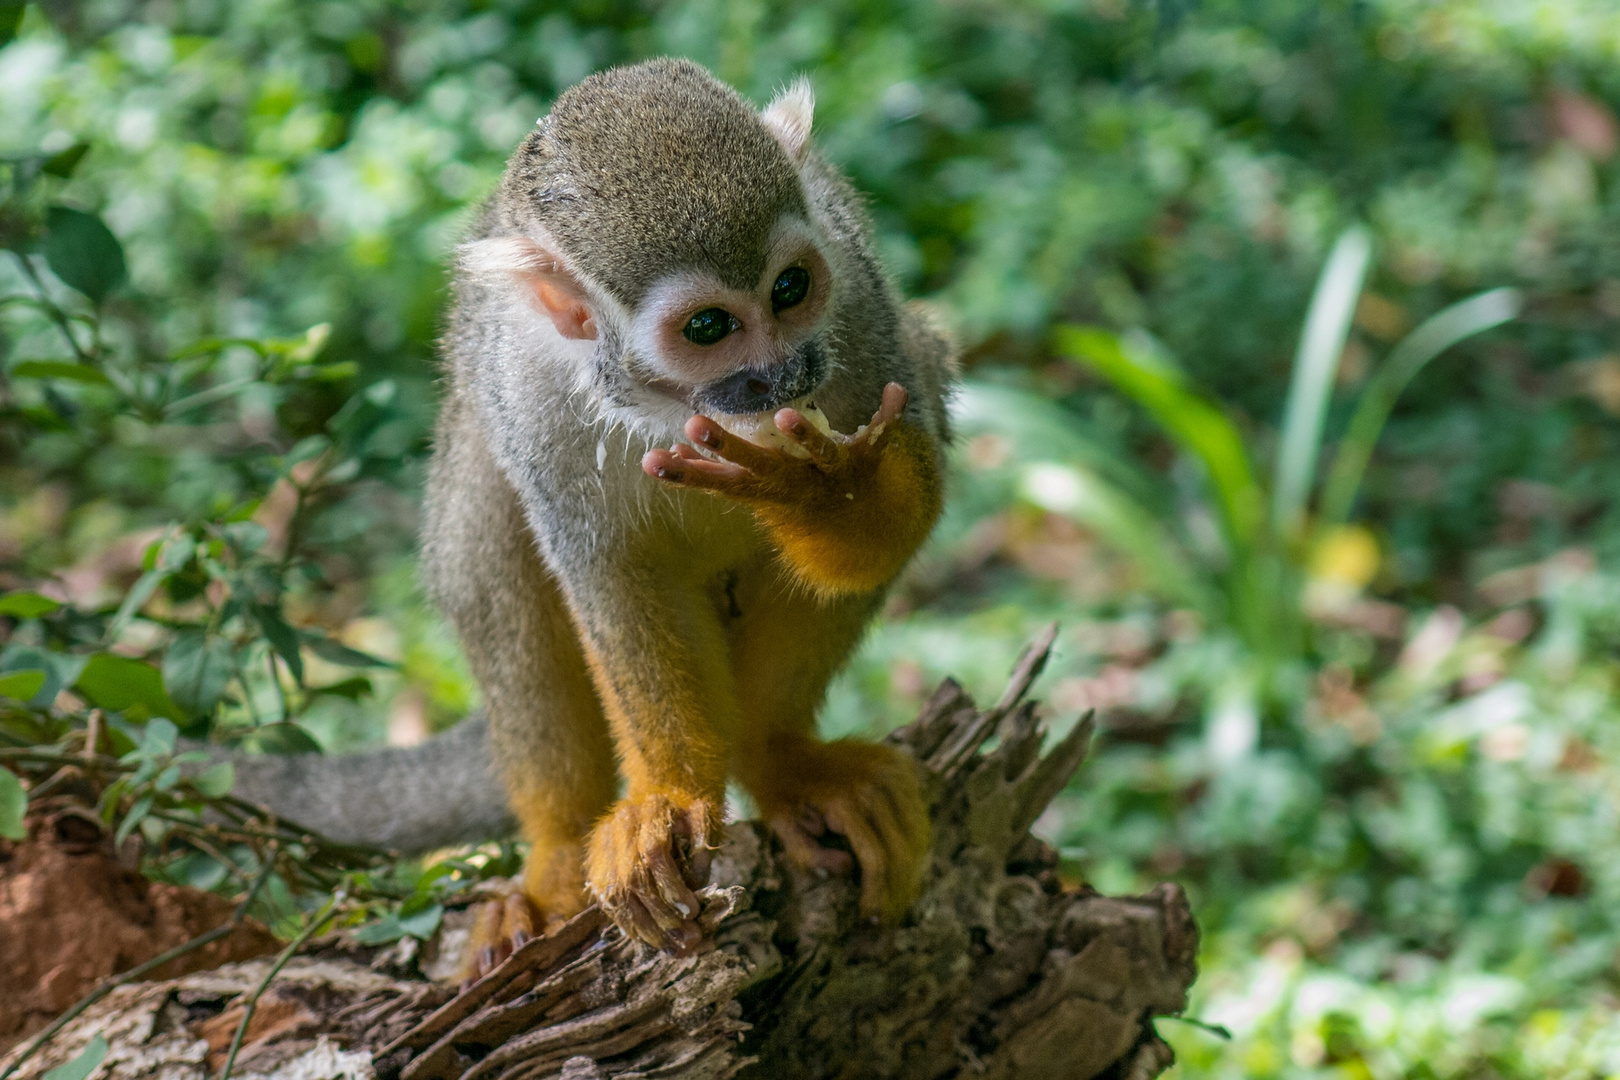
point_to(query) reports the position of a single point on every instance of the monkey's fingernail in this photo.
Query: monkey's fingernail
(683, 940)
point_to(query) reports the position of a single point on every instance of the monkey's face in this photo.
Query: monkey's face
(721, 349)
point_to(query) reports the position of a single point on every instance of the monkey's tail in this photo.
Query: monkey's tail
(411, 799)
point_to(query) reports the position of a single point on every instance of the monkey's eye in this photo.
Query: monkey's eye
(792, 286)
(709, 326)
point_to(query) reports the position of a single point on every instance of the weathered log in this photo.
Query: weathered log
(998, 971)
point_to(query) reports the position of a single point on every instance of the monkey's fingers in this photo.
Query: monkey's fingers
(672, 467)
(888, 414)
(671, 890)
(711, 436)
(846, 818)
(822, 450)
(802, 846)
(634, 920)
(694, 832)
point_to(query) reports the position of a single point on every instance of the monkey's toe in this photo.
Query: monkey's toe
(869, 796)
(500, 927)
(645, 860)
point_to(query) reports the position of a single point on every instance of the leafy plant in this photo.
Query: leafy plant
(1250, 582)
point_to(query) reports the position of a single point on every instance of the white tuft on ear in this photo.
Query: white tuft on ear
(788, 116)
(551, 285)
(499, 256)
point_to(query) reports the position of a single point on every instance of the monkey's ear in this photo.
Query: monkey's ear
(788, 116)
(544, 277)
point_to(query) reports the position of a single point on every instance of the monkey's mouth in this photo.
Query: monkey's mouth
(750, 391)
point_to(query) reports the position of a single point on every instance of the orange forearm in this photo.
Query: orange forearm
(855, 538)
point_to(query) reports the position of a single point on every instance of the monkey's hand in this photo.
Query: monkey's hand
(645, 858)
(846, 515)
(865, 792)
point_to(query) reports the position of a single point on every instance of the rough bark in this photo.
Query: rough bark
(999, 971)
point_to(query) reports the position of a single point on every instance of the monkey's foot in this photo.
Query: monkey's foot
(553, 892)
(500, 928)
(646, 858)
(864, 792)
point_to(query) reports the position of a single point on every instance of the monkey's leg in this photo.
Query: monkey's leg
(549, 735)
(787, 646)
(662, 670)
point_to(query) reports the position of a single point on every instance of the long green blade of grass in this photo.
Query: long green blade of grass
(1194, 422)
(1436, 334)
(1076, 492)
(1061, 469)
(1321, 343)
(1040, 429)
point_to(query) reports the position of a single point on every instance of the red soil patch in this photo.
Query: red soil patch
(70, 916)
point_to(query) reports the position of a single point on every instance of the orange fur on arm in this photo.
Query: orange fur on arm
(853, 533)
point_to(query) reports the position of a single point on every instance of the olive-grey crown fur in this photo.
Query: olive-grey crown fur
(638, 171)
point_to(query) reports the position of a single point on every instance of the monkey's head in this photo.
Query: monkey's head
(661, 224)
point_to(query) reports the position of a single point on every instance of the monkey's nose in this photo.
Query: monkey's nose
(747, 392)
(750, 391)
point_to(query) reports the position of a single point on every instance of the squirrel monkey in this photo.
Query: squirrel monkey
(641, 519)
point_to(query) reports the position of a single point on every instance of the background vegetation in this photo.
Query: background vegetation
(1371, 727)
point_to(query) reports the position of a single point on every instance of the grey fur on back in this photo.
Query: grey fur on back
(410, 800)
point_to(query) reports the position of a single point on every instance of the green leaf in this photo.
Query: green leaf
(83, 252)
(13, 806)
(120, 683)
(353, 688)
(380, 932)
(11, 13)
(303, 349)
(282, 637)
(27, 605)
(63, 162)
(216, 780)
(142, 807)
(1196, 423)
(337, 653)
(84, 1064)
(60, 669)
(1321, 343)
(196, 671)
(158, 739)
(1437, 333)
(59, 369)
(422, 923)
(246, 536)
(282, 738)
(21, 685)
(139, 593)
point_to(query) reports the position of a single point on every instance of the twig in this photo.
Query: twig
(92, 737)
(55, 313)
(314, 927)
(139, 970)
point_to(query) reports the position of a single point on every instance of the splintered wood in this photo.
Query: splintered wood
(998, 971)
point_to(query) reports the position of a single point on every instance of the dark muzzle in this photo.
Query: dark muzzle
(750, 391)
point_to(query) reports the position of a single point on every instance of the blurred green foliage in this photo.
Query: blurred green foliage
(1400, 833)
